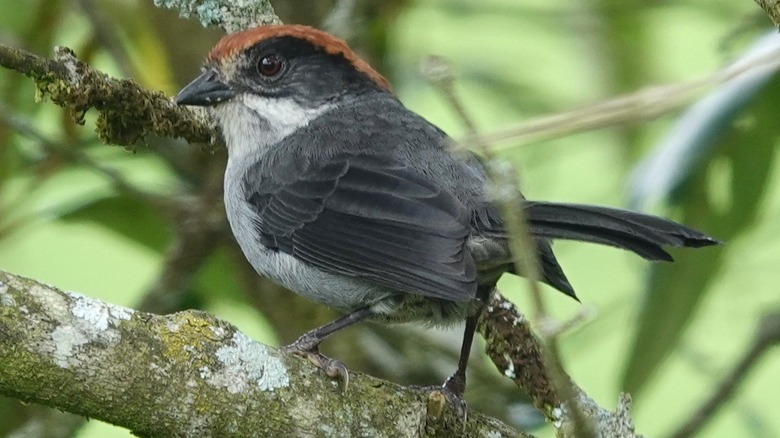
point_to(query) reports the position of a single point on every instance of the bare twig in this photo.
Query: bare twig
(523, 250)
(767, 335)
(163, 203)
(439, 71)
(645, 104)
(548, 385)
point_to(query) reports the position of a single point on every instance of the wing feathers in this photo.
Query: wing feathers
(373, 218)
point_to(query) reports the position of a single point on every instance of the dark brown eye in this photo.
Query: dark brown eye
(269, 65)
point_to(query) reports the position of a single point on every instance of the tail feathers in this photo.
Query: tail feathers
(637, 232)
(551, 271)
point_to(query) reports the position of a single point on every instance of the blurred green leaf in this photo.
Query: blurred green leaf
(676, 290)
(151, 64)
(131, 218)
(693, 136)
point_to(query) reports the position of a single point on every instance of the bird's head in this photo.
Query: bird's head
(276, 79)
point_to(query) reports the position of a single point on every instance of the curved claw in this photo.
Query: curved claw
(332, 367)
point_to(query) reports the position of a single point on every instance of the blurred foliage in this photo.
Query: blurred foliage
(665, 332)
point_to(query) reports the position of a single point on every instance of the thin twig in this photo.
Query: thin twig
(170, 204)
(645, 104)
(523, 249)
(439, 72)
(767, 335)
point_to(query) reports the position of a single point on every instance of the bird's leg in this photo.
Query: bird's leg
(308, 344)
(454, 387)
(456, 383)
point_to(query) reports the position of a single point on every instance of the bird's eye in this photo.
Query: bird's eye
(269, 65)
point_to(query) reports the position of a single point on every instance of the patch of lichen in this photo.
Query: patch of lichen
(18, 288)
(23, 375)
(188, 335)
(9, 336)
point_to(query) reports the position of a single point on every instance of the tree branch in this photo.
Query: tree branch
(128, 113)
(189, 374)
(518, 354)
(533, 364)
(227, 14)
(644, 104)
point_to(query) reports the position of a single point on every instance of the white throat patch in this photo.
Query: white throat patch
(250, 122)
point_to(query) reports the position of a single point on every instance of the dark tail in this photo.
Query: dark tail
(641, 233)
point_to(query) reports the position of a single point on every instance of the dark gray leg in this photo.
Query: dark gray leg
(308, 344)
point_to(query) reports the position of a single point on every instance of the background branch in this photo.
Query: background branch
(128, 113)
(640, 105)
(533, 363)
(767, 335)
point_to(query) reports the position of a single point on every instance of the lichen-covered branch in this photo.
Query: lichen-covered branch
(128, 113)
(189, 374)
(517, 353)
(227, 14)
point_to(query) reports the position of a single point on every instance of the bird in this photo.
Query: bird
(338, 192)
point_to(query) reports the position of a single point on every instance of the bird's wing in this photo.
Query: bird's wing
(368, 217)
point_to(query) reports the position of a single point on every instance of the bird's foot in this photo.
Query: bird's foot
(310, 350)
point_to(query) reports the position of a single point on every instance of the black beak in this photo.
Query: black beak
(205, 90)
